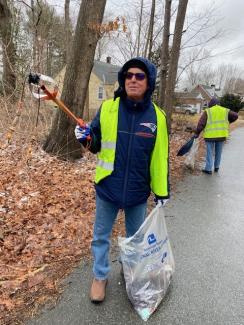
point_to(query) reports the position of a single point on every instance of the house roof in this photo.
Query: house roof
(106, 72)
(186, 94)
(206, 87)
(197, 94)
(210, 91)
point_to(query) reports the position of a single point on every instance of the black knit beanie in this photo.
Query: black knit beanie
(134, 63)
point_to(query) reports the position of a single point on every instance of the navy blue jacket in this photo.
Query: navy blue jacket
(129, 183)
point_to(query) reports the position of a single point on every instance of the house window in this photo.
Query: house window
(100, 92)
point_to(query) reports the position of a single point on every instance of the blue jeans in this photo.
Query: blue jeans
(214, 151)
(106, 213)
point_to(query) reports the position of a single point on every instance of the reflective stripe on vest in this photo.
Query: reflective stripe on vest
(159, 157)
(108, 145)
(217, 123)
(105, 165)
(109, 124)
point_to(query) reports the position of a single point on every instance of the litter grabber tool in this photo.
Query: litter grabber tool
(40, 91)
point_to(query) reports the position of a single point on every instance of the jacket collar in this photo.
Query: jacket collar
(137, 106)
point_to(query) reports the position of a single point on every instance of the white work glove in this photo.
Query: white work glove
(163, 202)
(82, 133)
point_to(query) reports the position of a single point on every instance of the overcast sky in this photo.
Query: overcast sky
(231, 15)
(228, 16)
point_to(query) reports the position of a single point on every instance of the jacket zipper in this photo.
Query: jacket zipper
(128, 158)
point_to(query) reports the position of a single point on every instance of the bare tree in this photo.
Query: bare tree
(197, 64)
(224, 76)
(200, 30)
(61, 140)
(68, 30)
(139, 37)
(232, 75)
(174, 58)
(9, 49)
(149, 43)
(164, 55)
(107, 35)
(239, 86)
(101, 47)
(126, 45)
(48, 32)
(139, 29)
(36, 13)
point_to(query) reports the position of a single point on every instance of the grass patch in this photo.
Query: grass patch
(183, 122)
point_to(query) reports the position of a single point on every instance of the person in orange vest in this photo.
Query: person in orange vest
(214, 122)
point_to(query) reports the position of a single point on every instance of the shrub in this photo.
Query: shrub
(233, 102)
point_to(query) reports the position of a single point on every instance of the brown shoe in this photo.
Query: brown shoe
(98, 289)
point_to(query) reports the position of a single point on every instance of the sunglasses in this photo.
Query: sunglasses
(139, 75)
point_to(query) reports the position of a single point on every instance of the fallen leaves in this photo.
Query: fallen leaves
(46, 210)
(46, 223)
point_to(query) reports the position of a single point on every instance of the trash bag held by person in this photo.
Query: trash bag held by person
(148, 263)
(214, 122)
(129, 135)
(190, 159)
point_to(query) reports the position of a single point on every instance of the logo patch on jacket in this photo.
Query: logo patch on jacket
(151, 126)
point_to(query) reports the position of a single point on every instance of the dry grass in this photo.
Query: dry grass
(183, 122)
(24, 121)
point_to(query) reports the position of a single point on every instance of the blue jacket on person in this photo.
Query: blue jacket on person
(129, 183)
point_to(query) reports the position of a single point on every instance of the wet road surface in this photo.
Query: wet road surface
(205, 220)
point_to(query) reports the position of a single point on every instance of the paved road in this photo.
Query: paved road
(206, 228)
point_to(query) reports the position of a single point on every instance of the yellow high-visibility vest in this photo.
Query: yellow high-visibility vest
(217, 123)
(106, 156)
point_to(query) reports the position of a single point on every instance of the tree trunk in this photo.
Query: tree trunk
(36, 66)
(61, 140)
(9, 50)
(174, 58)
(68, 30)
(164, 55)
(150, 32)
(139, 30)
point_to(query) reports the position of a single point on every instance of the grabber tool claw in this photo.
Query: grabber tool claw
(42, 93)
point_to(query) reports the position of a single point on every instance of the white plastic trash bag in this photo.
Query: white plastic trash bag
(148, 263)
(191, 155)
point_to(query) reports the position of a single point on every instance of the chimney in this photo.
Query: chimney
(108, 59)
(212, 90)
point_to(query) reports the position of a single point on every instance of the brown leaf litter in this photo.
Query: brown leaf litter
(46, 223)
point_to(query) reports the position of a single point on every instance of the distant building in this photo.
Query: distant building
(103, 82)
(198, 97)
(191, 98)
(207, 92)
